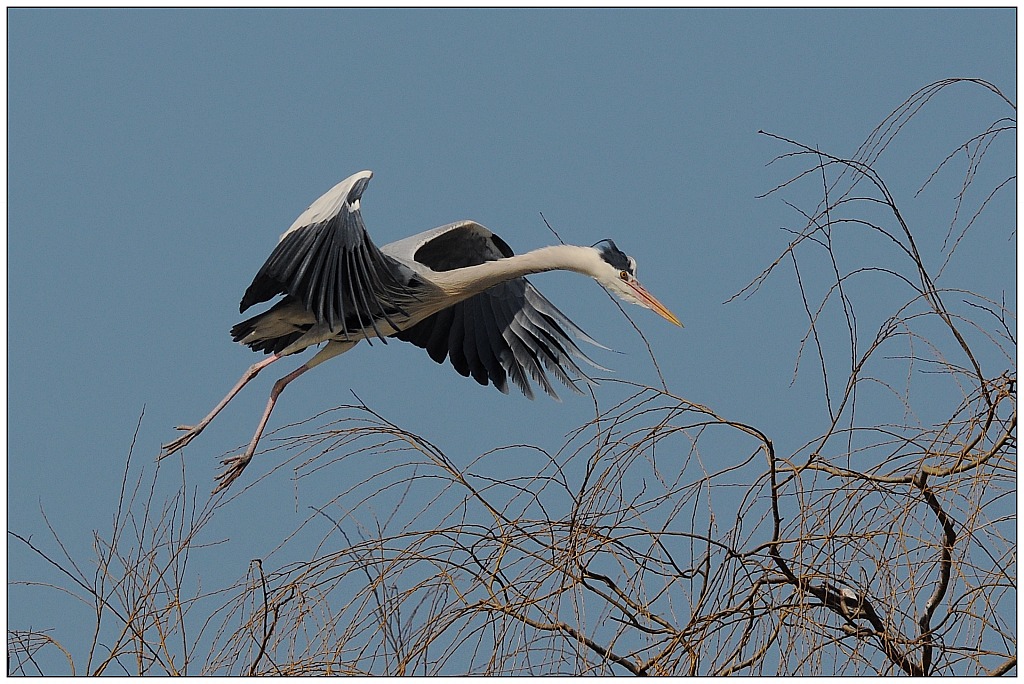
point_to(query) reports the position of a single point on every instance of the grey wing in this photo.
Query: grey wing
(327, 261)
(510, 331)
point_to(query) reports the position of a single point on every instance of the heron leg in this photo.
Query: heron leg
(194, 430)
(234, 465)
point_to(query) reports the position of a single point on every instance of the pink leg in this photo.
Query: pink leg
(193, 431)
(236, 464)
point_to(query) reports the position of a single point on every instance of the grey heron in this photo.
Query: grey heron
(457, 291)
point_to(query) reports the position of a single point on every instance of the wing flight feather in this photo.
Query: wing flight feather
(327, 261)
(509, 332)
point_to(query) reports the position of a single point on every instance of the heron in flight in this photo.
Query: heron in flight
(457, 291)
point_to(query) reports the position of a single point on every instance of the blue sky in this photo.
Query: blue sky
(155, 156)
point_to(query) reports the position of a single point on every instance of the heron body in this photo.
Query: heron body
(457, 291)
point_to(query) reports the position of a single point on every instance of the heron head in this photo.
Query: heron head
(619, 276)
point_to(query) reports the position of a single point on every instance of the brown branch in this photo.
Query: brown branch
(1003, 667)
(597, 648)
(945, 568)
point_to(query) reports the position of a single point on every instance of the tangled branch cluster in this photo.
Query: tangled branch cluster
(661, 537)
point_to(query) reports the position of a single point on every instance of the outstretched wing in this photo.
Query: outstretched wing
(509, 331)
(327, 261)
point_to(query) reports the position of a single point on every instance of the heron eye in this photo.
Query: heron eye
(624, 275)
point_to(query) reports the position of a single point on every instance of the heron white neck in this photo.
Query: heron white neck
(465, 282)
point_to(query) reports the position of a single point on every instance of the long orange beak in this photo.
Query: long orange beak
(656, 306)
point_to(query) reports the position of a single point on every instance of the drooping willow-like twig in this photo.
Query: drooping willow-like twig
(662, 536)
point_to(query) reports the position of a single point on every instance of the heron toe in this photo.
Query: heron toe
(234, 465)
(180, 443)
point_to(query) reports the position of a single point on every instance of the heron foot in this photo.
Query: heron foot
(233, 467)
(180, 443)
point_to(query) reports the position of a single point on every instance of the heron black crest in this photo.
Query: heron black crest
(615, 256)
